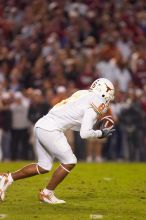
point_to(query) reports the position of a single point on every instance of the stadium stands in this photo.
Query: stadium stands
(49, 49)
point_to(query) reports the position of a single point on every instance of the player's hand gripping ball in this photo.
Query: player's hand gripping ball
(107, 122)
(106, 125)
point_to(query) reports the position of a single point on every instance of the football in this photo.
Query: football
(107, 122)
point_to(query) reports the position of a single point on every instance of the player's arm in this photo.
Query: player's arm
(88, 121)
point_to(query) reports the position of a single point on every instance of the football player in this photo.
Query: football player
(78, 112)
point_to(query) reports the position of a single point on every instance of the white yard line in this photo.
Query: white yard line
(96, 216)
(107, 178)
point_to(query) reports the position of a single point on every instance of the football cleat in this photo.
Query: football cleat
(49, 198)
(4, 184)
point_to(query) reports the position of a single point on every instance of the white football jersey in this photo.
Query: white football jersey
(68, 114)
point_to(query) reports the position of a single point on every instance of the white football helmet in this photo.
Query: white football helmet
(104, 88)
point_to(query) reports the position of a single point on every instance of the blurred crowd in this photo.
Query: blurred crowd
(49, 49)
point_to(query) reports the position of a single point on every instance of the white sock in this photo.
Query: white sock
(10, 178)
(47, 191)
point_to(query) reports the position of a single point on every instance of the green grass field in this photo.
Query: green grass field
(111, 191)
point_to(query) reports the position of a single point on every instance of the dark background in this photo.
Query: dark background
(49, 49)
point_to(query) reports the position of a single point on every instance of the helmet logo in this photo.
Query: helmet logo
(108, 88)
(94, 84)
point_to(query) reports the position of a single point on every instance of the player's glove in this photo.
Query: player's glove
(107, 132)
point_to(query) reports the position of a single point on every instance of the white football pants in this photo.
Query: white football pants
(50, 145)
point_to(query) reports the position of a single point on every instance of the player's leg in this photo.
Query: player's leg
(43, 166)
(63, 152)
(60, 149)
(28, 171)
(47, 194)
(58, 176)
(7, 179)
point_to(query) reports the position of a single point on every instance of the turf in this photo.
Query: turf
(115, 191)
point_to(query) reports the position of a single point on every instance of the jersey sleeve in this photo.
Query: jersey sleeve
(88, 121)
(99, 106)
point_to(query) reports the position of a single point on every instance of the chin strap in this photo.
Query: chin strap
(64, 168)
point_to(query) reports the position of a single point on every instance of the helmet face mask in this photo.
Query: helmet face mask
(104, 88)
